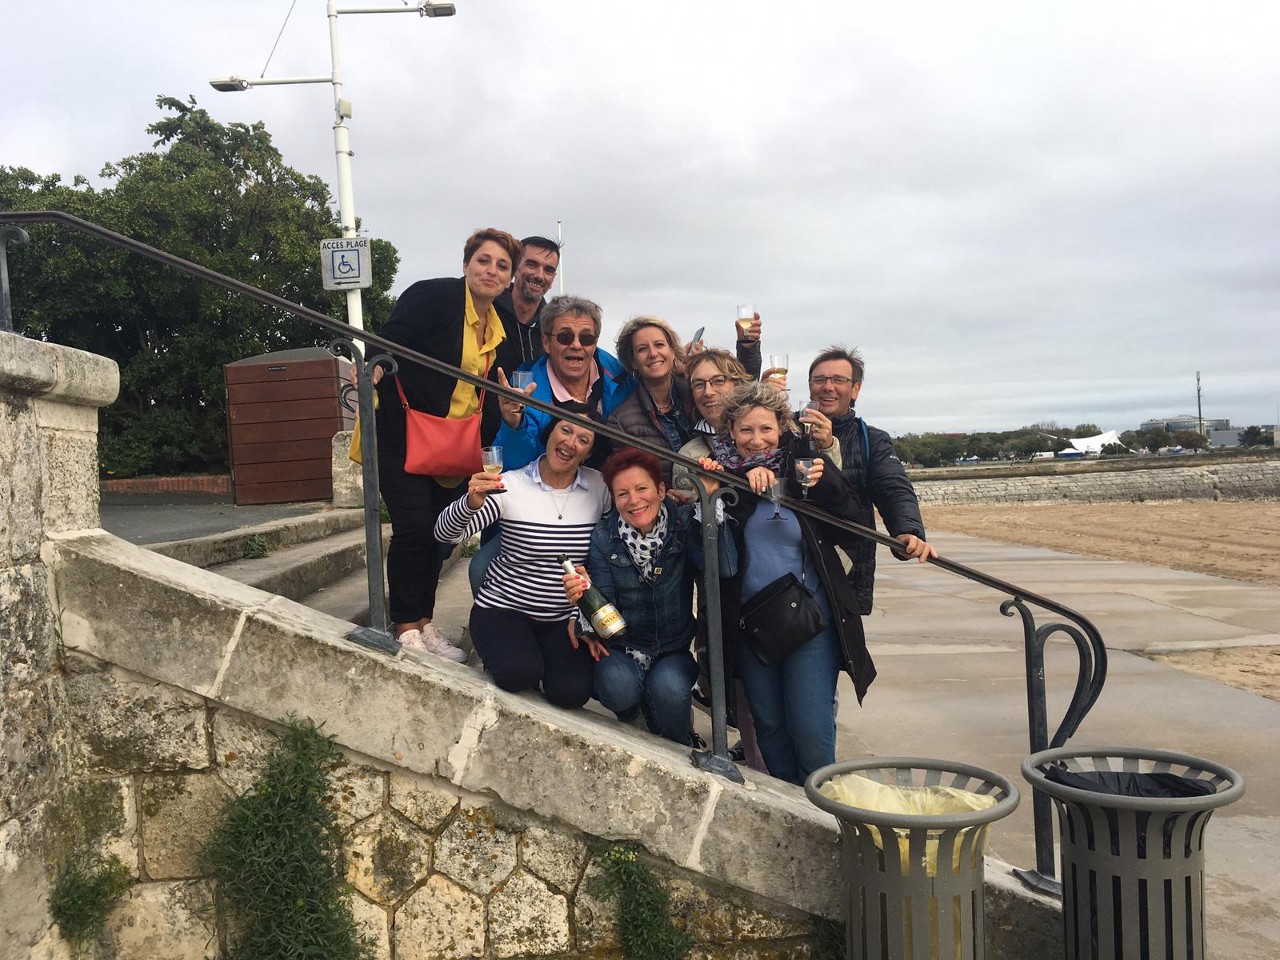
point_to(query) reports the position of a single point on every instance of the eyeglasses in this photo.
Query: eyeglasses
(699, 386)
(835, 381)
(566, 337)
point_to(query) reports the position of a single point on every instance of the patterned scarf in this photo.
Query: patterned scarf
(644, 547)
(727, 454)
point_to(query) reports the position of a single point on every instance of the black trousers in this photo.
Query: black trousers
(414, 556)
(520, 652)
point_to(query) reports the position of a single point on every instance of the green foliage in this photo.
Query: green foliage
(277, 858)
(221, 196)
(255, 547)
(644, 926)
(1115, 450)
(828, 939)
(86, 890)
(1190, 440)
(1086, 430)
(1255, 437)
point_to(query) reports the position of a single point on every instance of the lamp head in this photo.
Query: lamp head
(429, 9)
(229, 84)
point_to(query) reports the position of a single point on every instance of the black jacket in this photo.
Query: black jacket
(876, 480)
(832, 494)
(638, 417)
(528, 336)
(430, 317)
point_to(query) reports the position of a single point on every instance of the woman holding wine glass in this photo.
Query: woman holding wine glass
(790, 615)
(521, 624)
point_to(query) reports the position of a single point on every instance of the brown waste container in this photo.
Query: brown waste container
(282, 412)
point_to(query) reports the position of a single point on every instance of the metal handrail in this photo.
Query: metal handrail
(1088, 640)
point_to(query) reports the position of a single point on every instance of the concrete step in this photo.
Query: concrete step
(299, 571)
(226, 548)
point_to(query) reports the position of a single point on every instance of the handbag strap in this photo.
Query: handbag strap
(404, 401)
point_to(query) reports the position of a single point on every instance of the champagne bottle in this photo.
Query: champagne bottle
(603, 616)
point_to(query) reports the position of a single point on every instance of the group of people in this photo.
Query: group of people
(617, 514)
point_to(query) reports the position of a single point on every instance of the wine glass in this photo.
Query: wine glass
(775, 494)
(746, 316)
(778, 363)
(805, 425)
(491, 462)
(521, 379)
(804, 466)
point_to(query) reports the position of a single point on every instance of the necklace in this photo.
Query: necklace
(560, 502)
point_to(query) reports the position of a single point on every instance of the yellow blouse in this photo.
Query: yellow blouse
(475, 359)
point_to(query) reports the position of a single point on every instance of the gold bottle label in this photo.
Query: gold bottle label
(607, 621)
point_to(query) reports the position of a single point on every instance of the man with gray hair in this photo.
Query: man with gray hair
(575, 375)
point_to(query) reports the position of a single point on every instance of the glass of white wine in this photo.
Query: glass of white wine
(775, 494)
(491, 461)
(804, 468)
(778, 363)
(746, 317)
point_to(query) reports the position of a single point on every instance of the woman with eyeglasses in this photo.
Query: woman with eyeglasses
(451, 320)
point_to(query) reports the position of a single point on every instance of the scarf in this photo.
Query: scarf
(727, 454)
(644, 547)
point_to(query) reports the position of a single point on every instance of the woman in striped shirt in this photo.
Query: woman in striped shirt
(522, 624)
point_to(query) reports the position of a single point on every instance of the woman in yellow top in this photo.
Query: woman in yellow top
(451, 319)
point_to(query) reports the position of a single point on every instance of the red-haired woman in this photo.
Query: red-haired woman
(643, 557)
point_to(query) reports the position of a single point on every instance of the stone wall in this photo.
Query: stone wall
(49, 397)
(1255, 480)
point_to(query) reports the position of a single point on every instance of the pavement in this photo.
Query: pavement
(952, 683)
(144, 518)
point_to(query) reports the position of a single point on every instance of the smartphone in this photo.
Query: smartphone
(698, 336)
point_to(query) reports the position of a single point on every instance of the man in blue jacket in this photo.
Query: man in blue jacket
(575, 375)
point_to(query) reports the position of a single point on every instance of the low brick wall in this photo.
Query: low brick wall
(1256, 480)
(216, 483)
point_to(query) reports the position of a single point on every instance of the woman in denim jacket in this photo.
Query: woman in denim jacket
(643, 557)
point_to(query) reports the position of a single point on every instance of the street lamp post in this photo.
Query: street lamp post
(342, 113)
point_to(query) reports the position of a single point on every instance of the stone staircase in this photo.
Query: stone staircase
(319, 561)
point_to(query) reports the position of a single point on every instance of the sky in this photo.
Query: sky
(1019, 212)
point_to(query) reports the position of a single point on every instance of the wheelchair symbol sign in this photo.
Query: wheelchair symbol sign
(345, 263)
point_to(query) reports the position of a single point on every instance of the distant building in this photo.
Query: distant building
(1186, 422)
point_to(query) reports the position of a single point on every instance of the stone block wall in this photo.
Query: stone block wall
(49, 399)
(437, 871)
(1255, 480)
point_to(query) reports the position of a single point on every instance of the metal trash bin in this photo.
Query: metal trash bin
(1132, 866)
(928, 903)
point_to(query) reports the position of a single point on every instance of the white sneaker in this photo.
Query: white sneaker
(418, 643)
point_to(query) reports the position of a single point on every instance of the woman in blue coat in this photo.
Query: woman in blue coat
(644, 555)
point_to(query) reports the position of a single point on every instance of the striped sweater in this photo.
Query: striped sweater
(526, 575)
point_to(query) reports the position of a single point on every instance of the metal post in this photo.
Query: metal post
(376, 635)
(715, 760)
(1042, 878)
(342, 154)
(17, 236)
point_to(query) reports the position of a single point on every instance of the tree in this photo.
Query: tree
(218, 195)
(1086, 430)
(1255, 437)
(1190, 440)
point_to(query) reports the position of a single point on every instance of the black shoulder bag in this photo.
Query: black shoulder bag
(781, 618)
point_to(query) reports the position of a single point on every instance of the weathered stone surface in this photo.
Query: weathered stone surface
(21, 483)
(127, 724)
(348, 476)
(528, 919)
(24, 880)
(595, 916)
(69, 486)
(476, 851)
(364, 697)
(241, 746)
(27, 366)
(386, 857)
(51, 947)
(27, 626)
(440, 921)
(176, 623)
(33, 755)
(424, 800)
(92, 816)
(163, 920)
(752, 923)
(357, 790)
(373, 924)
(553, 855)
(178, 815)
(793, 950)
(704, 917)
(1019, 923)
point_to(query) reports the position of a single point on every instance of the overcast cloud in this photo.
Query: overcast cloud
(1019, 212)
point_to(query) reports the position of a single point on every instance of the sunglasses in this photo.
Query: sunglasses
(566, 337)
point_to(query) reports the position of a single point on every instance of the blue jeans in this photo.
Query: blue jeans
(490, 547)
(664, 691)
(793, 705)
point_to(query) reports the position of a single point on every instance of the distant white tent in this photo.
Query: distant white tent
(1094, 444)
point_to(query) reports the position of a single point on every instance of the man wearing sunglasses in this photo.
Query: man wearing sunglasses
(575, 375)
(520, 304)
(875, 475)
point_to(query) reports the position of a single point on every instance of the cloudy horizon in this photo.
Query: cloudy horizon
(1019, 213)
